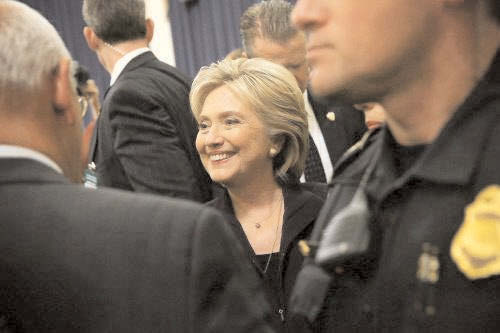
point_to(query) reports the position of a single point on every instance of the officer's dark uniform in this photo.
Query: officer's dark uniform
(409, 282)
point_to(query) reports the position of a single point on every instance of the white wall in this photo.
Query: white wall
(162, 44)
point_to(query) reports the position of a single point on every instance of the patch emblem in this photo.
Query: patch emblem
(475, 248)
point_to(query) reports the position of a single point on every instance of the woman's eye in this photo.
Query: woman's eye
(231, 121)
(202, 126)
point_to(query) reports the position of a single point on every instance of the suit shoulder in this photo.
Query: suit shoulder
(172, 71)
(156, 70)
(142, 206)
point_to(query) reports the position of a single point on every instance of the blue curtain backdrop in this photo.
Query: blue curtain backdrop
(66, 16)
(204, 31)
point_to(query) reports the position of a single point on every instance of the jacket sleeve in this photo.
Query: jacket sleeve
(225, 293)
(147, 143)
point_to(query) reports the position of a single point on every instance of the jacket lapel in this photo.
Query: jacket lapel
(301, 209)
(223, 203)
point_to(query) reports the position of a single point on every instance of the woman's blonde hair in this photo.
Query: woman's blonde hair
(273, 93)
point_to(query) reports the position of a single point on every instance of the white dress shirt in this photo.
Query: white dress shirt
(123, 62)
(8, 151)
(319, 140)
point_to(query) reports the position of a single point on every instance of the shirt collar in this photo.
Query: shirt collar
(9, 151)
(123, 62)
(308, 107)
(453, 156)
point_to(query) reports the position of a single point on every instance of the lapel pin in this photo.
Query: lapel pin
(330, 116)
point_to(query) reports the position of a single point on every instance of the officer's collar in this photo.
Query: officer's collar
(452, 157)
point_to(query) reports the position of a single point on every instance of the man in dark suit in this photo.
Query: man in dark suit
(145, 132)
(81, 260)
(267, 32)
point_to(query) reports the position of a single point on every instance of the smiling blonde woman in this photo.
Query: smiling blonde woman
(253, 140)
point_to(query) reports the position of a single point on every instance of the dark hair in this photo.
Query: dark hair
(81, 77)
(266, 19)
(115, 21)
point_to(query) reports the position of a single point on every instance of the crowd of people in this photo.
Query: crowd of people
(337, 173)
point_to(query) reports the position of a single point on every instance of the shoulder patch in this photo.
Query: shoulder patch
(475, 248)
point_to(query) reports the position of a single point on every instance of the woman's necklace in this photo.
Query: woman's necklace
(280, 219)
(271, 212)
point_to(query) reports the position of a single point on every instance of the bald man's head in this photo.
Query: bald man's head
(38, 100)
(31, 48)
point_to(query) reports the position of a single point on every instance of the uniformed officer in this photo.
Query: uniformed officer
(409, 239)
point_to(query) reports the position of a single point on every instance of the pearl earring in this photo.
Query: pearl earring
(273, 152)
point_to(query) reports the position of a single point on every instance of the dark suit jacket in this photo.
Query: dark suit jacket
(341, 133)
(80, 260)
(146, 133)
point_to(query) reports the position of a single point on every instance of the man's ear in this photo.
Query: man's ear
(150, 29)
(63, 94)
(91, 38)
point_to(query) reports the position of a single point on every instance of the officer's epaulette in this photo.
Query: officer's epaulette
(355, 150)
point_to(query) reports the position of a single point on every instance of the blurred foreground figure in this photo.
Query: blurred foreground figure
(81, 260)
(409, 238)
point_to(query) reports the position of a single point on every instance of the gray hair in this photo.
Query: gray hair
(269, 20)
(115, 21)
(31, 49)
(272, 92)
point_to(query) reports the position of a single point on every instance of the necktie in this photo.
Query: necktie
(314, 169)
